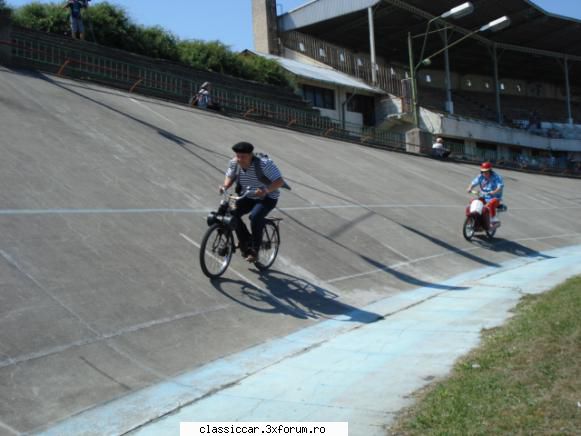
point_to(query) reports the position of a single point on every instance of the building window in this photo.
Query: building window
(359, 62)
(428, 78)
(302, 47)
(487, 84)
(518, 88)
(502, 87)
(391, 71)
(468, 83)
(342, 57)
(322, 52)
(319, 97)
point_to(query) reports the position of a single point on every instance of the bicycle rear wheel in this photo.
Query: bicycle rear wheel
(269, 246)
(216, 250)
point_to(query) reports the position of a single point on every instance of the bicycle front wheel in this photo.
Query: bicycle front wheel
(269, 246)
(216, 250)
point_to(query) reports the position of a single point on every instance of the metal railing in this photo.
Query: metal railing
(69, 59)
(31, 50)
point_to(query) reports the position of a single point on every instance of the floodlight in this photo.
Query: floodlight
(496, 25)
(459, 11)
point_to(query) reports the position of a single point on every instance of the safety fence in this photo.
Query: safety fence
(68, 59)
(71, 59)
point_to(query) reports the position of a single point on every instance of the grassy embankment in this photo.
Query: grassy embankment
(525, 379)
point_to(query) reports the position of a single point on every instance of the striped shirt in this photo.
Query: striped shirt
(249, 180)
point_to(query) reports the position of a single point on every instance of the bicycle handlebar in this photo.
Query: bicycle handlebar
(247, 192)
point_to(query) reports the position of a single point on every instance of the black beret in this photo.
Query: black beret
(243, 147)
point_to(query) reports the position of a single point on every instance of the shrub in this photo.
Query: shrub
(110, 25)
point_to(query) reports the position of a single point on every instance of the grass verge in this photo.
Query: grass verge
(525, 378)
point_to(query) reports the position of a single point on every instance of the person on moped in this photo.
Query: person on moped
(491, 185)
(262, 198)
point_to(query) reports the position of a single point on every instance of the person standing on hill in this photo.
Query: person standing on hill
(76, 19)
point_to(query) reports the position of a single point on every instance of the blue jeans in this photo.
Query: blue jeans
(258, 209)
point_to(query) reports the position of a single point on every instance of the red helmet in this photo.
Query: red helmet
(486, 166)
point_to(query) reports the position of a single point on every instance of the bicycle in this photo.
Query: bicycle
(218, 244)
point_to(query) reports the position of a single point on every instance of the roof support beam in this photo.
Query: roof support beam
(496, 83)
(568, 92)
(512, 47)
(372, 47)
(449, 103)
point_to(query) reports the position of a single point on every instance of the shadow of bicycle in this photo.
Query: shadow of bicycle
(291, 295)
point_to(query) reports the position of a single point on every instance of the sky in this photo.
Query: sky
(230, 21)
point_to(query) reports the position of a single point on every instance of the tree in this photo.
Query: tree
(44, 17)
(4, 9)
(110, 25)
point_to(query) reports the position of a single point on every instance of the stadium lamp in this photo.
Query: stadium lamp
(456, 12)
(493, 26)
(496, 25)
(459, 11)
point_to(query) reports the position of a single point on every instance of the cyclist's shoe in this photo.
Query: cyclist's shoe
(251, 255)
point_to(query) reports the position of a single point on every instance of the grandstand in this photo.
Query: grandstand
(514, 89)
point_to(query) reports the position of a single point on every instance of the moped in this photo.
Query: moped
(219, 245)
(478, 217)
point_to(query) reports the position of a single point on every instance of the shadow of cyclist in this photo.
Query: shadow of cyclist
(291, 295)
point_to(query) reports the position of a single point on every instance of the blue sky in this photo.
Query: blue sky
(230, 21)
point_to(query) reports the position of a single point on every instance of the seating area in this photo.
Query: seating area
(544, 117)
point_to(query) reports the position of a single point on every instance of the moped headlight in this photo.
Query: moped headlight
(227, 221)
(211, 218)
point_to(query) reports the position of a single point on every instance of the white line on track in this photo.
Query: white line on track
(151, 110)
(242, 276)
(434, 256)
(8, 428)
(113, 335)
(284, 209)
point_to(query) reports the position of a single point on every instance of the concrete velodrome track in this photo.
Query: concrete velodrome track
(103, 202)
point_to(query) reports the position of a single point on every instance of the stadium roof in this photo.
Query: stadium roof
(326, 75)
(528, 49)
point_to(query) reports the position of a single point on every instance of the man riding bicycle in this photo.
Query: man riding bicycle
(262, 198)
(491, 185)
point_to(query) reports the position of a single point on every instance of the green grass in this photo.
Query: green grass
(525, 379)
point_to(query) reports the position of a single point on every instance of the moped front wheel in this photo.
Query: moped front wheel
(469, 228)
(216, 250)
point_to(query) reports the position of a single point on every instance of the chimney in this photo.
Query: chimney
(265, 26)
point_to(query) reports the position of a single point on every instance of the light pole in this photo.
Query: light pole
(457, 12)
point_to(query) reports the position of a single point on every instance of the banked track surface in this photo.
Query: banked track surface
(104, 196)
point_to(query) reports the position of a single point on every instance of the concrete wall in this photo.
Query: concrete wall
(491, 133)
